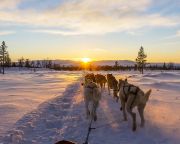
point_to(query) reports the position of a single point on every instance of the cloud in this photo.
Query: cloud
(174, 36)
(6, 33)
(178, 33)
(90, 17)
(56, 32)
(9, 4)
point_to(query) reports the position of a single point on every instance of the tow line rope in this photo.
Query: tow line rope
(100, 126)
(89, 131)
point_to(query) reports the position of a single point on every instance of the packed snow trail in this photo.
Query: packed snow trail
(64, 118)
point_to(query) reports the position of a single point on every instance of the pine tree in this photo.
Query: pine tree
(1, 59)
(49, 64)
(21, 62)
(116, 65)
(27, 63)
(3, 54)
(171, 66)
(164, 66)
(38, 64)
(32, 64)
(141, 60)
(7, 60)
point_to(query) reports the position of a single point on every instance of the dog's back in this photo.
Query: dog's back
(91, 95)
(137, 95)
(100, 79)
(112, 82)
(91, 92)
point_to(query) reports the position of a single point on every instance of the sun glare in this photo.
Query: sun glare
(86, 60)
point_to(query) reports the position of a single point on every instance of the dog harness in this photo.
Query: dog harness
(91, 86)
(129, 91)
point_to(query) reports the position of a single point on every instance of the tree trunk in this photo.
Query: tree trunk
(3, 63)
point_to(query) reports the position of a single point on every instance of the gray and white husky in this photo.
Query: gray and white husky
(92, 95)
(130, 97)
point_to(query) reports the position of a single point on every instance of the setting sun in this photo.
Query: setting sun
(86, 60)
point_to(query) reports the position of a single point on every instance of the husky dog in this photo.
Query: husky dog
(112, 84)
(90, 76)
(92, 95)
(130, 97)
(101, 80)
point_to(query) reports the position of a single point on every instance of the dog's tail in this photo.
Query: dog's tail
(147, 94)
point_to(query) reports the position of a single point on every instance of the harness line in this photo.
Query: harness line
(89, 130)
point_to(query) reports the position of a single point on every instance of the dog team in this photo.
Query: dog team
(130, 96)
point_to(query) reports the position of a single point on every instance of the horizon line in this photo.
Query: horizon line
(79, 60)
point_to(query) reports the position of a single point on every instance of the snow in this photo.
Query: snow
(35, 110)
(22, 91)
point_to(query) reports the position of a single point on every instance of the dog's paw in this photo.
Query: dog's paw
(134, 128)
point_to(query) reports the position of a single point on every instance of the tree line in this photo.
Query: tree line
(140, 65)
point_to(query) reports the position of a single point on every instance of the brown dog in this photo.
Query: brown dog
(112, 84)
(100, 80)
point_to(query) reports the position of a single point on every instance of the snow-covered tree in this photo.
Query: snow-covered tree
(141, 60)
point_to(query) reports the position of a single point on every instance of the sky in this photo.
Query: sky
(98, 29)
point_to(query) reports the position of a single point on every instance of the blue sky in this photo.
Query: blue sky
(103, 29)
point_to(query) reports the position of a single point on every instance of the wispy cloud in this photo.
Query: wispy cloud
(174, 36)
(9, 4)
(90, 17)
(6, 32)
(56, 32)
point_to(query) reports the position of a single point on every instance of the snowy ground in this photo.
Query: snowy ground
(22, 91)
(63, 116)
